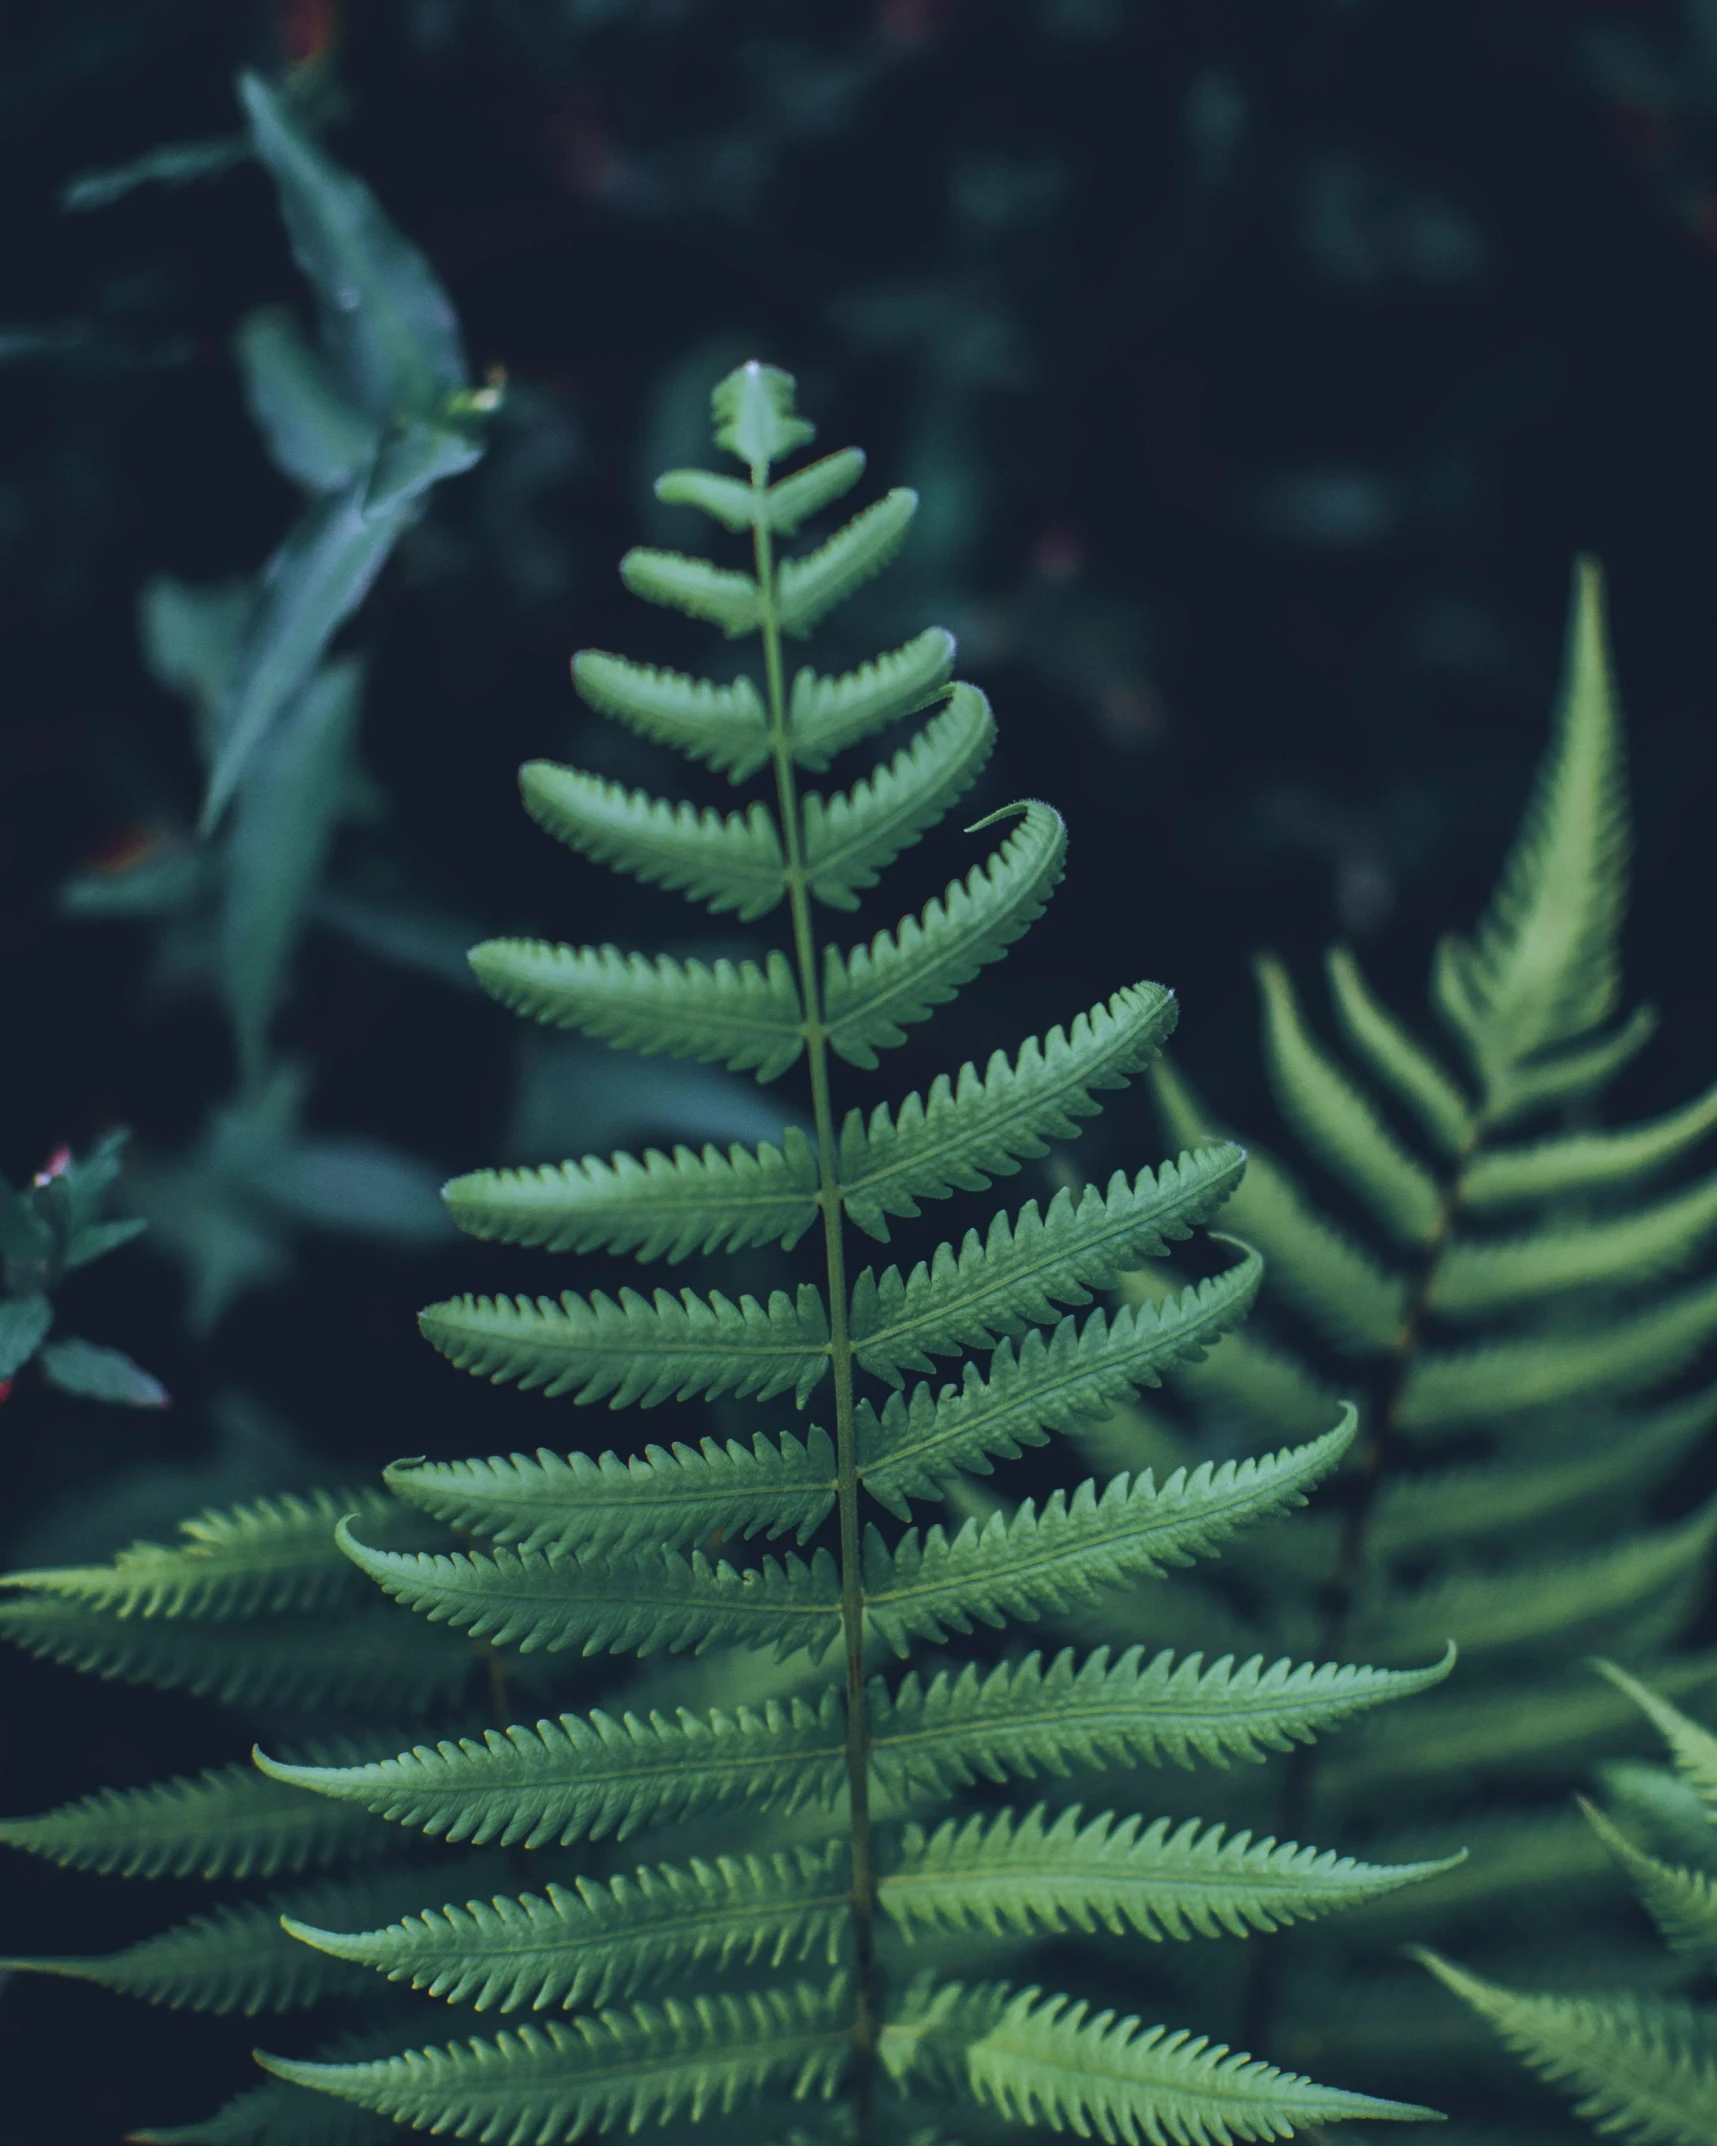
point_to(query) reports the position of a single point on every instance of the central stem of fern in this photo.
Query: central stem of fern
(805, 953)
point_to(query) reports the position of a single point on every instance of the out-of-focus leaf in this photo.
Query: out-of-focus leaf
(24, 1324)
(286, 810)
(357, 1185)
(435, 942)
(312, 431)
(100, 1238)
(97, 1374)
(85, 1180)
(414, 457)
(225, 1245)
(312, 585)
(24, 1236)
(387, 321)
(172, 164)
(160, 883)
(191, 641)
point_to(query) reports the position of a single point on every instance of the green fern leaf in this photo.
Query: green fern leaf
(1078, 1374)
(851, 838)
(1020, 1720)
(659, 1208)
(1694, 1749)
(873, 993)
(724, 499)
(1572, 1076)
(227, 1822)
(723, 726)
(1642, 2068)
(584, 1776)
(827, 715)
(1075, 1547)
(1337, 1123)
(714, 593)
(1494, 1274)
(622, 1605)
(1543, 967)
(1025, 1266)
(1246, 1381)
(272, 1557)
(1020, 1875)
(704, 2055)
(1447, 1388)
(808, 587)
(689, 1494)
(1397, 1059)
(753, 416)
(596, 1943)
(274, 2115)
(730, 861)
(970, 1130)
(1682, 1902)
(637, 1350)
(745, 1018)
(792, 500)
(1047, 2060)
(1586, 1162)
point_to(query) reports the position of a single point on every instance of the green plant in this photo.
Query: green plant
(1497, 1281)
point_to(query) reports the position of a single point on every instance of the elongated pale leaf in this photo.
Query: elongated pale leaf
(1020, 1874)
(1484, 1275)
(1575, 1075)
(95, 1373)
(712, 593)
(662, 1207)
(586, 1775)
(873, 993)
(919, 1440)
(1693, 1747)
(629, 1604)
(1047, 2060)
(417, 453)
(1682, 1902)
(729, 861)
(826, 715)
(1397, 1058)
(1585, 1162)
(1338, 1123)
(229, 1822)
(806, 588)
(1642, 2068)
(792, 500)
(1076, 1546)
(745, 1018)
(1023, 1719)
(727, 500)
(634, 1349)
(852, 837)
(1024, 1266)
(754, 416)
(314, 432)
(966, 1131)
(24, 1325)
(585, 1946)
(773, 1486)
(1450, 1387)
(723, 726)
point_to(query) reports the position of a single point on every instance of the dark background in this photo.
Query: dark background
(1263, 367)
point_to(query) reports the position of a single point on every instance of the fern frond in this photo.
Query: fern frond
(1682, 1902)
(1266, 1389)
(1008, 1873)
(227, 1822)
(353, 1657)
(729, 861)
(774, 1486)
(967, 1131)
(638, 1604)
(530, 2085)
(1048, 2060)
(271, 1557)
(1337, 1123)
(743, 1017)
(851, 838)
(1575, 1075)
(1693, 1748)
(871, 994)
(753, 416)
(1078, 1374)
(1643, 2068)
(713, 593)
(595, 1943)
(637, 1350)
(660, 1207)
(1586, 1162)
(1483, 1276)
(1075, 1547)
(584, 1776)
(827, 715)
(808, 587)
(792, 500)
(1025, 1266)
(1023, 1719)
(1447, 1388)
(275, 2115)
(1396, 1058)
(723, 726)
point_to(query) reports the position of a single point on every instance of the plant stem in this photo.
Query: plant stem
(805, 952)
